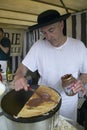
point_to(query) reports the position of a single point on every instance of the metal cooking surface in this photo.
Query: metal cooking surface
(13, 101)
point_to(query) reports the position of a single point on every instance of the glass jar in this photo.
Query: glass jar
(68, 81)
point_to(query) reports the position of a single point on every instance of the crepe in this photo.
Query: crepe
(44, 105)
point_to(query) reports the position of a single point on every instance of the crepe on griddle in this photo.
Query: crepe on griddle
(44, 107)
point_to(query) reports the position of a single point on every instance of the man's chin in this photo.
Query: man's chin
(54, 44)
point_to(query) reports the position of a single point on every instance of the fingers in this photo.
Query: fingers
(79, 86)
(21, 83)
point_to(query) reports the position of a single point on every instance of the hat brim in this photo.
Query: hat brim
(37, 26)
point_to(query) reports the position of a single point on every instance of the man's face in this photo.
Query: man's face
(1, 35)
(53, 33)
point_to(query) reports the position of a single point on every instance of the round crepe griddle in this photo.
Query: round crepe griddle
(13, 102)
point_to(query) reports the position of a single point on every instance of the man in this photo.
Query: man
(4, 46)
(53, 57)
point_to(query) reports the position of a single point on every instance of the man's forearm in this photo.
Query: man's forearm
(21, 71)
(4, 49)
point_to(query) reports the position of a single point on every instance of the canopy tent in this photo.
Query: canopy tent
(24, 12)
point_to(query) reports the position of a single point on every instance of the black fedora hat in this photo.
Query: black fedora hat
(48, 17)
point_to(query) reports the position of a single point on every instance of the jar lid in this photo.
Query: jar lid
(66, 77)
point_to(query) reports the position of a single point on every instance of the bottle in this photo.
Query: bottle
(0, 73)
(9, 75)
(68, 82)
(0, 77)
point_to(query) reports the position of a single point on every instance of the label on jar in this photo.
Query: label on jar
(68, 89)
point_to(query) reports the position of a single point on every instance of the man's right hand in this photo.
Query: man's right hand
(20, 83)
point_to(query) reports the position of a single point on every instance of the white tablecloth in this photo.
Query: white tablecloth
(66, 124)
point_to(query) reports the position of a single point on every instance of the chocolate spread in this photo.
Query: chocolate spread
(43, 96)
(34, 102)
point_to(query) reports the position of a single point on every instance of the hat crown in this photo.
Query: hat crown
(48, 16)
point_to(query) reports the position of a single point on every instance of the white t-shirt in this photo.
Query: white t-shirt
(54, 62)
